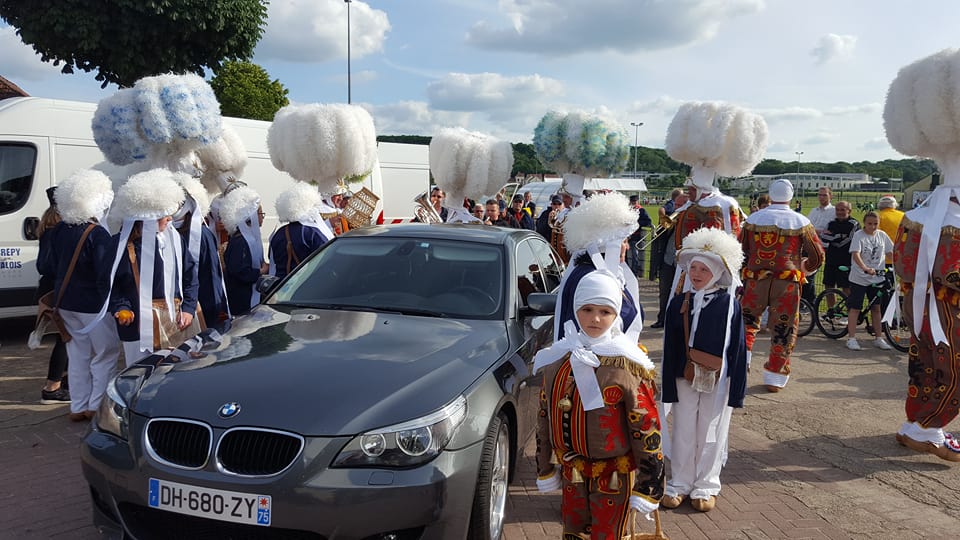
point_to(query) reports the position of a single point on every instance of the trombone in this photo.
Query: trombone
(662, 228)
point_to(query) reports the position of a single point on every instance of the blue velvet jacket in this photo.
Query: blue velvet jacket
(304, 240)
(90, 282)
(239, 275)
(627, 310)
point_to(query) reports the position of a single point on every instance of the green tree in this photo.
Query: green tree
(525, 160)
(124, 40)
(246, 91)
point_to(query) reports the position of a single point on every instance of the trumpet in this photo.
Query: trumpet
(665, 226)
(424, 210)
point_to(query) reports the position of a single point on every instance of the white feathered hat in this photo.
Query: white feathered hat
(716, 138)
(599, 221)
(299, 203)
(148, 195)
(196, 191)
(223, 161)
(83, 195)
(116, 129)
(469, 164)
(237, 206)
(323, 144)
(717, 245)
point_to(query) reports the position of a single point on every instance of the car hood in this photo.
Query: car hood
(326, 372)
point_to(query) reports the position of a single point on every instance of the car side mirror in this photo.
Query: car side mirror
(266, 284)
(541, 303)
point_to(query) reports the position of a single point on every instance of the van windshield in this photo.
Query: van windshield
(17, 163)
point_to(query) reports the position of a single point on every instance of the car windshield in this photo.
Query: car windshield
(441, 278)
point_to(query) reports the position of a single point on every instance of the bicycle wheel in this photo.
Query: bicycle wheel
(806, 318)
(832, 321)
(898, 334)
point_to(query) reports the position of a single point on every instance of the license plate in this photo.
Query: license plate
(210, 503)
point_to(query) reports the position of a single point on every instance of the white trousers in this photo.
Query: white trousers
(701, 424)
(93, 358)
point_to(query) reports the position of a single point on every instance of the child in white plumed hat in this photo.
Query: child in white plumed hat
(93, 350)
(598, 431)
(304, 231)
(705, 319)
(243, 263)
(148, 262)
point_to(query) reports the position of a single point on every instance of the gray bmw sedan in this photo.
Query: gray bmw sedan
(382, 390)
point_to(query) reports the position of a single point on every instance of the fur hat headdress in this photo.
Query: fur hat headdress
(84, 195)
(148, 195)
(716, 138)
(715, 244)
(195, 190)
(598, 222)
(468, 164)
(323, 144)
(237, 206)
(299, 203)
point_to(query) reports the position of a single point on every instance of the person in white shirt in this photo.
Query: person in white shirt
(868, 251)
(822, 215)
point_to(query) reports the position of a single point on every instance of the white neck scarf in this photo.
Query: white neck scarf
(250, 230)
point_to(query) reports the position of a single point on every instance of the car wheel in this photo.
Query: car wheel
(490, 497)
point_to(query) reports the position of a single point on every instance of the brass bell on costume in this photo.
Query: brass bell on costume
(614, 483)
(575, 476)
(565, 404)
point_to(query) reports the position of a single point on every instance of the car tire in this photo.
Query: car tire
(490, 497)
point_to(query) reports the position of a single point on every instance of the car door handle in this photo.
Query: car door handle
(30, 226)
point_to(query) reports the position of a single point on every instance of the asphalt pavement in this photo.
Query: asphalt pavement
(817, 460)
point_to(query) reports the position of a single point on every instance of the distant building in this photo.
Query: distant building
(9, 90)
(813, 181)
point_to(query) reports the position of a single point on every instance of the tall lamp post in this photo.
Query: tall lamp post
(803, 191)
(349, 96)
(636, 145)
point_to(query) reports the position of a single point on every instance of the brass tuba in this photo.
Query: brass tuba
(662, 229)
(424, 210)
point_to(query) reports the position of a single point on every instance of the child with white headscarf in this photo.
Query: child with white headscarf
(704, 319)
(243, 259)
(598, 434)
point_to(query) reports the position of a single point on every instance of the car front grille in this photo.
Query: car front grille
(179, 443)
(257, 452)
(152, 524)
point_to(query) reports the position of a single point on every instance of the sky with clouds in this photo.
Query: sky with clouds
(817, 70)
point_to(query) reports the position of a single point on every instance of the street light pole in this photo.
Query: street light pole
(636, 145)
(349, 95)
(801, 186)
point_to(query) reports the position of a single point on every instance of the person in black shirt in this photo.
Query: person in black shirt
(519, 214)
(494, 217)
(836, 241)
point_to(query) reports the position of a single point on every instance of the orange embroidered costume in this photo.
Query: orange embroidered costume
(772, 241)
(598, 434)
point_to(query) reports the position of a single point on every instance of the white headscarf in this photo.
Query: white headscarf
(601, 288)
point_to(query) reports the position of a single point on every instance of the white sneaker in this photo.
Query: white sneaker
(881, 343)
(854, 345)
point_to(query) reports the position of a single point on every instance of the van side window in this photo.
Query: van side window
(17, 162)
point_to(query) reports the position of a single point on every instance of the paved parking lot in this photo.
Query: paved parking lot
(815, 461)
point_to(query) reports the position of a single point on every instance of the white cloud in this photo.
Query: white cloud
(20, 61)
(316, 31)
(565, 27)
(867, 108)
(819, 138)
(876, 143)
(413, 118)
(780, 146)
(491, 92)
(789, 113)
(665, 105)
(832, 47)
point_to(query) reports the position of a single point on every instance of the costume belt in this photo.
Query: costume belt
(786, 275)
(595, 468)
(943, 293)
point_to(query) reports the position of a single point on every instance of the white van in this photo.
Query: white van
(42, 141)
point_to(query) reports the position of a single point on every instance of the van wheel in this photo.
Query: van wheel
(490, 498)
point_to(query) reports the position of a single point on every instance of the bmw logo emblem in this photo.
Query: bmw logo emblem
(229, 410)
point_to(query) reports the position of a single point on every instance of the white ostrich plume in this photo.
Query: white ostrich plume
(323, 144)
(299, 203)
(469, 164)
(237, 206)
(116, 129)
(151, 194)
(716, 244)
(178, 109)
(716, 138)
(83, 195)
(922, 112)
(195, 190)
(581, 143)
(223, 160)
(598, 221)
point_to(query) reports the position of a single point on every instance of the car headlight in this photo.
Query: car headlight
(404, 445)
(112, 414)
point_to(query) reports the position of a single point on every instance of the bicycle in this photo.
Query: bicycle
(807, 318)
(832, 321)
